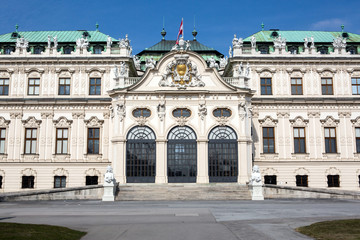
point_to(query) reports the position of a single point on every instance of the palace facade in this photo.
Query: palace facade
(74, 102)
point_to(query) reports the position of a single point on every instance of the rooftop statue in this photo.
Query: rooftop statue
(22, 43)
(230, 52)
(150, 63)
(82, 43)
(212, 62)
(108, 42)
(279, 42)
(247, 70)
(124, 42)
(123, 69)
(55, 42)
(339, 42)
(49, 41)
(306, 43)
(136, 62)
(223, 62)
(188, 45)
(253, 41)
(237, 43)
(312, 42)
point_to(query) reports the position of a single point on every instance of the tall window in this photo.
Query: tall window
(296, 86)
(355, 86)
(59, 181)
(268, 140)
(64, 86)
(4, 86)
(34, 86)
(333, 180)
(2, 140)
(330, 140)
(61, 141)
(302, 180)
(27, 182)
(30, 140)
(95, 86)
(93, 140)
(266, 86)
(327, 86)
(357, 137)
(299, 140)
(92, 180)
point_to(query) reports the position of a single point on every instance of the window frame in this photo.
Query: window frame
(95, 86)
(327, 86)
(141, 112)
(265, 85)
(3, 86)
(357, 140)
(3, 139)
(222, 112)
(296, 86)
(181, 112)
(90, 181)
(62, 183)
(30, 179)
(331, 183)
(306, 178)
(93, 139)
(329, 140)
(64, 86)
(269, 177)
(31, 139)
(300, 139)
(34, 86)
(268, 140)
(357, 85)
(62, 139)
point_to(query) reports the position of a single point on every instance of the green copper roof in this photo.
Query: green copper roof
(298, 36)
(166, 45)
(62, 36)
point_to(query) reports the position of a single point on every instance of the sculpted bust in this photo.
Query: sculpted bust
(109, 175)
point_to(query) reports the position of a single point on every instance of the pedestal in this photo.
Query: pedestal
(257, 192)
(109, 193)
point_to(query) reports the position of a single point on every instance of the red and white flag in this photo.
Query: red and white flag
(181, 29)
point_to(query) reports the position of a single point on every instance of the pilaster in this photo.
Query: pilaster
(202, 162)
(161, 163)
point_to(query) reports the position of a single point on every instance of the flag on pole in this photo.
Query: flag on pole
(181, 30)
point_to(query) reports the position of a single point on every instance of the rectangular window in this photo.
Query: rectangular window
(2, 140)
(330, 140)
(59, 181)
(95, 86)
(268, 140)
(302, 180)
(327, 86)
(92, 180)
(34, 86)
(355, 82)
(299, 140)
(357, 136)
(266, 88)
(4, 86)
(61, 141)
(1, 179)
(270, 179)
(296, 86)
(30, 140)
(27, 182)
(333, 180)
(93, 140)
(64, 86)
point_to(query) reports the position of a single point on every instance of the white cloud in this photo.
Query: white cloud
(329, 24)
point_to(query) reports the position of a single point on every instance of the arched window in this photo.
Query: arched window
(223, 155)
(140, 155)
(182, 155)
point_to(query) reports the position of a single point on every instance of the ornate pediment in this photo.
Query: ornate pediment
(181, 73)
(28, 172)
(298, 122)
(329, 121)
(61, 172)
(4, 123)
(31, 122)
(92, 172)
(356, 122)
(332, 171)
(94, 122)
(62, 122)
(268, 121)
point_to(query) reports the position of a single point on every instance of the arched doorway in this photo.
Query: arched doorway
(140, 155)
(223, 155)
(182, 155)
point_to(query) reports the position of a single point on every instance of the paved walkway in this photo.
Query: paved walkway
(230, 220)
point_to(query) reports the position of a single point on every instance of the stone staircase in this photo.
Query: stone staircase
(182, 191)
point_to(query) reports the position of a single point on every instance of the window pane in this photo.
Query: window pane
(296, 132)
(2, 146)
(96, 146)
(92, 90)
(323, 81)
(333, 145)
(332, 132)
(33, 146)
(271, 146)
(293, 81)
(34, 133)
(27, 146)
(327, 132)
(58, 146)
(357, 132)
(302, 132)
(271, 132)
(3, 131)
(354, 90)
(59, 133)
(36, 90)
(302, 145)
(65, 145)
(96, 130)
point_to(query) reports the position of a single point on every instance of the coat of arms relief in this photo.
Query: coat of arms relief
(181, 73)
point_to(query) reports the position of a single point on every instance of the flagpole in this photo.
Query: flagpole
(182, 20)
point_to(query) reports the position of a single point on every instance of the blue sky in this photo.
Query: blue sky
(216, 21)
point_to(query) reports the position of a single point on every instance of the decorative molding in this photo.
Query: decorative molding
(38, 70)
(141, 120)
(329, 121)
(283, 114)
(62, 122)
(301, 171)
(202, 111)
(16, 115)
(182, 121)
(4, 123)
(269, 171)
(268, 121)
(222, 121)
(28, 172)
(78, 115)
(314, 114)
(46, 115)
(332, 171)
(94, 122)
(93, 172)
(344, 114)
(31, 122)
(61, 172)
(298, 122)
(356, 122)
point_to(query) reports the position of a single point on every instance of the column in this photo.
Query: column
(119, 159)
(202, 161)
(161, 163)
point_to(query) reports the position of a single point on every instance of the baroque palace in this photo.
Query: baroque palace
(74, 102)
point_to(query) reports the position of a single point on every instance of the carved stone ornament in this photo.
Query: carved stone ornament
(22, 43)
(16, 115)
(283, 114)
(79, 115)
(181, 73)
(62, 122)
(329, 121)
(280, 42)
(121, 111)
(299, 122)
(31, 122)
(339, 42)
(182, 121)
(61, 172)
(46, 115)
(344, 114)
(4, 123)
(332, 171)
(222, 121)
(94, 122)
(356, 122)
(141, 120)
(313, 114)
(268, 122)
(92, 172)
(161, 110)
(202, 111)
(28, 172)
(301, 171)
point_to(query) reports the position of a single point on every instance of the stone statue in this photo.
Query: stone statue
(241, 69)
(237, 43)
(230, 52)
(150, 63)
(312, 42)
(242, 110)
(253, 41)
(161, 110)
(136, 62)
(256, 176)
(55, 42)
(109, 176)
(181, 43)
(109, 42)
(130, 50)
(202, 111)
(339, 42)
(49, 41)
(280, 42)
(223, 62)
(188, 45)
(82, 43)
(112, 113)
(22, 43)
(116, 72)
(123, 69)
(306, 43)
(212, 62)
(121, 111)
(174, 48)
(247, 70)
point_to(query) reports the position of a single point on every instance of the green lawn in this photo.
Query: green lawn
(17, 231)
(333, 230)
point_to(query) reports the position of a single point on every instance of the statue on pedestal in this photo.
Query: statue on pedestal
(109, 176)
(253, 41)
(255, 176)
(108, 42)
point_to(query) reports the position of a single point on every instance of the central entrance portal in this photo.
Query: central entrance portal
(182, 155)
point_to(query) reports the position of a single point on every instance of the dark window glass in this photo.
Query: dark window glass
(30, 140)
(92, 180)
(141, 112)
(351, 50)
(333, 180)
(299, 140)
(355, 84)
(330, 140)
(222, 112)
(270, 179)
(95, 86)
(68, 50)
(27, 182)
(4, 86)
(8, 50)
(181, 112)
(302, 180)
(264, 49)
(327, 86)
(323, 50)
(34, 86)
(59, 181)
(2, 140)
(93, 140)
(266, 88)
(1, 180)
(98, 49)
(64, 86)
(61, 141)
(357, 137)
(38, 50)
(268, 140)
(293, 49)
(296, 86)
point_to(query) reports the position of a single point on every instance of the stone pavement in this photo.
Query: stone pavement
(175, 220)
